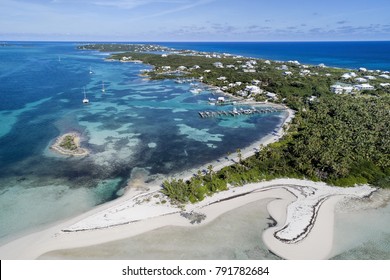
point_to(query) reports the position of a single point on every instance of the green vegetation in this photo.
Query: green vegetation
(68, 143)
(340, 139)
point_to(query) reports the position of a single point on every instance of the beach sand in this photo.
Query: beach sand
(303, 209)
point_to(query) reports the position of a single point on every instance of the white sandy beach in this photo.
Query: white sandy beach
(303, 211)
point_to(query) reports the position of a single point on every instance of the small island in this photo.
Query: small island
(69, 144)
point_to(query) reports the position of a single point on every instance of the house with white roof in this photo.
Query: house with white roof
(340, 88)
(181, 68)
(271, 95)
(287, 73)
(370, 77)
(364, 87)
(385, 76)
(218, 64)
(361, 80)
(253, 89)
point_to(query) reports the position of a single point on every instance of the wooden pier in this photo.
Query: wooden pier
(237, 112)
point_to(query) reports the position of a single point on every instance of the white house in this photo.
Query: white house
(370, 77)
(207, 71)
(384, 84)
(253, 89)
(271, 95)
(166, 68)
(362, 69)
(181, 68)
(296, 62)
(284, 67)
(346, 76)
(364, 87)
(218, 64)
(222, 78)
(267, 62)
(340, 88)
(385, 76)
(164, 55)
(361, 80)
(287, 73)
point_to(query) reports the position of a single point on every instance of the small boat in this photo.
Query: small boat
(195, 90)
(85, 100)
(103, 89)
(90, 70)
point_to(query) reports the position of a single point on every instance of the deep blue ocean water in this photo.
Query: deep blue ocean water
(372, 55)
(135, 127)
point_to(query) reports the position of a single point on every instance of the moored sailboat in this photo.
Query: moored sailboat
(85, 100)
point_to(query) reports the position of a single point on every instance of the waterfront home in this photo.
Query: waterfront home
(362, 69)
(321, 65)
(181, 68)
(166, 68)
(271, 95)
(294, 62)
(253, 89)
(267, 62)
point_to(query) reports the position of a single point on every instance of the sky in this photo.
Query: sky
(195, 20)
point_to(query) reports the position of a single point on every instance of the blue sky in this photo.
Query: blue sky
(195, 20)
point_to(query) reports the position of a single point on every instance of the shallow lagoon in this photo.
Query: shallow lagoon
(136, 124)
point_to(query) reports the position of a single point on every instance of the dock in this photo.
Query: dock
(237, 112)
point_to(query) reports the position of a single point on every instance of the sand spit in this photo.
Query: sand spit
(303, 209)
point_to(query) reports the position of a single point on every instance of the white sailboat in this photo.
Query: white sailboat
(90, 70)
(103, 89)
(85, 100)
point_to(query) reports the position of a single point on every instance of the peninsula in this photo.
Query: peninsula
(69, 144)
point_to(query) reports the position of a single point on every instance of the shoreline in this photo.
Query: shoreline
(91, 228)
(145, 208)
(76, 138)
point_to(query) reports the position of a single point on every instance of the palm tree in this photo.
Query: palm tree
(210, 169)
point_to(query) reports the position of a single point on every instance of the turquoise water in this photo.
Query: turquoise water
(135, 124)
